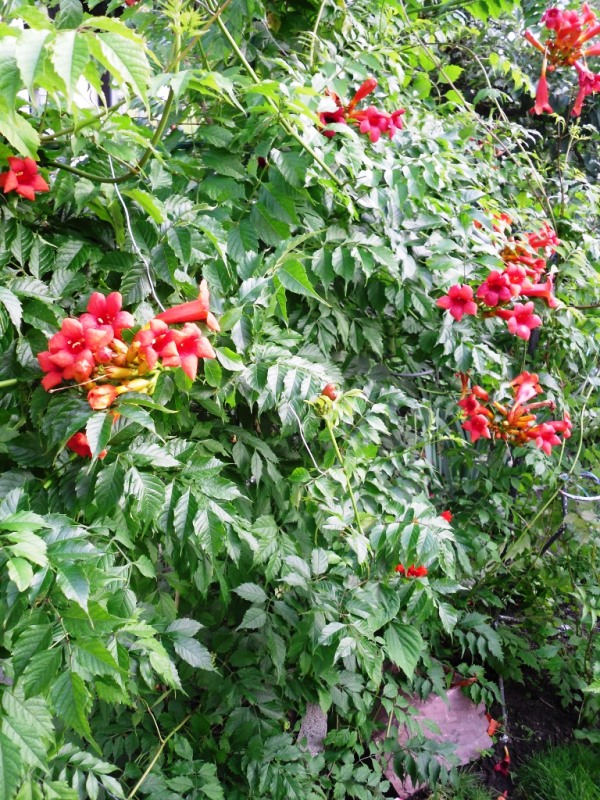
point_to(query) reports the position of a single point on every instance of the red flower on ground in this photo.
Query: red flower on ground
(23, 178)
(503, 767)
(447, 515)
(193, 311)
(79, 444)
(459, 301)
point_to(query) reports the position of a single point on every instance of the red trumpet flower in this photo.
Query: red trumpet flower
(23, 178)
(193, 311)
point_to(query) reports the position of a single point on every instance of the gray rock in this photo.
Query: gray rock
(313, 729)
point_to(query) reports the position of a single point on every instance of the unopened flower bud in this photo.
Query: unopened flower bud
(102, 397)
(330, 391)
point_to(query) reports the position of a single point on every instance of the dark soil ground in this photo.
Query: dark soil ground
(536, 720)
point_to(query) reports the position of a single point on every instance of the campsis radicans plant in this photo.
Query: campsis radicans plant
(523, 277)
(516, 422)
(372, 121)
(565, 46)
(90, 350)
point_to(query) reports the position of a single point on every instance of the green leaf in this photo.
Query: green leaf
(109, 486)
(194, 653)
(11, 765)
(150, 204)
(184, 515)
(230, 360)
(34, 639)
(293, 277)
(18, 132)
(92, 658)
(29, 54)
(70, 14)
(65, 416)
(319, 561)
(20, 571)
(147, 490)
(74, 585)
(70, 56)
(13, 305)
(71, 702)
(23, 521)
(210, 786)
(26, 544)
(254, 617)
(28, 724)
(98, 430)
(450, 72)
(145, 566)
(137, 414)
(251, 592)
(404, 645)
(184, 627)
(124, 59)
(41, 671)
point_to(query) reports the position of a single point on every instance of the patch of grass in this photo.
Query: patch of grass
(467, 787)
(570, 771)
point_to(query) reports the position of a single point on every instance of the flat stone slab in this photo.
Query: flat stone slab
(460, 722)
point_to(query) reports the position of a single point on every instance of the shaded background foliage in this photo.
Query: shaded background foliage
(168, 612)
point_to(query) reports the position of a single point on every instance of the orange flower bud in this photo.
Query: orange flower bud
(102, 397)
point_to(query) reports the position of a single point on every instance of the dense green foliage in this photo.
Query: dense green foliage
(168, 611)
(571, 770)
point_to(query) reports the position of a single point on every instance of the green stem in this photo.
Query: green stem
(348, 484)
(106, 112)
(156, 756)
(311, 58)
(283, 122)
(8, 382)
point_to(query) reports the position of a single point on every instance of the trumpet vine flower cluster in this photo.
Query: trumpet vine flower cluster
(516, 423)
(370, 120)
(524, 276)
(566, 46)
(90, 351)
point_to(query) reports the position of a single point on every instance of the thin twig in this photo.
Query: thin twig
(150, 766)
(136, 247)
(309, 451)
